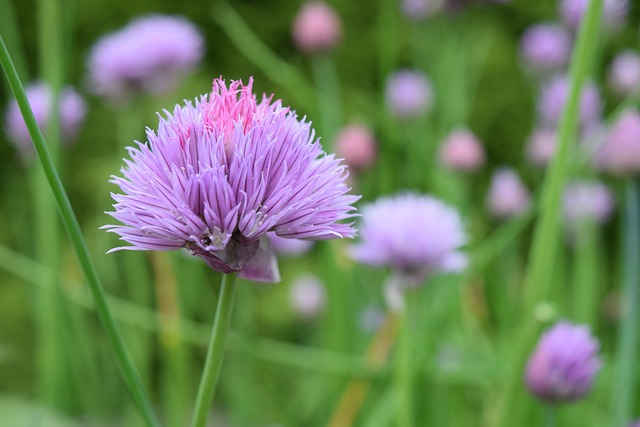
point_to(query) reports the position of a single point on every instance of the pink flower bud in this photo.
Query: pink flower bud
(316, 28)
(357, 145)
(624, 73)
(620, 152)
(462, 151)
(307, 296)
(507, 195)
(541, 146)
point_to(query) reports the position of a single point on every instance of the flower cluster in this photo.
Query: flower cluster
(218, 175)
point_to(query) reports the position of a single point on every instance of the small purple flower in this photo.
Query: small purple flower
(416, 10)
(307, 296)
(414, 234)
(554, 97)
(151, 54)
(587, 200)
(289, 247)
(316, 28)
(461, 151)
(541, 146)
(507, 194)
(546, 47)
(614, 12)
(408, 94)
(624, 73)
(357, 145)
(564, 363)
(72, 110)
(620, 152)
(218, 175)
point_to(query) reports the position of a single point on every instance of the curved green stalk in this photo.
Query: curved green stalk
(123, 359)
(215, 353)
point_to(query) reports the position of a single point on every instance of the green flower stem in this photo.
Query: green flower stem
(329, 99)
(627, 351)
(215, 353)
(70, 221)
(549, 416)
(546, 239)
(404, 393)
(586, 280)
(387, 37)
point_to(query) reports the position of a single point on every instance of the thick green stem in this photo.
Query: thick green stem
(70, 221)
(215, 354)
(627, 351)
(546, 239)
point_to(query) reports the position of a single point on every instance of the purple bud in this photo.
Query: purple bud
(541, 146)
(587, 200)
(507, 194)
(620, 152)
(564, 364)
(316, 28)
(307, 296)
(357, 145)
(408, 94)
(72, 110)
(624, 73)
(151, 54)
(462, 151)
(546, 47)
(554, 97)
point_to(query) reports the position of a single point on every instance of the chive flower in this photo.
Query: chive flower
(415, 235)
(554, 97)
(221, 173)
(620, 152)
(507, 196)
(316, 28)
(624, 72)
(563, 365)
(150, 55)
(546, 47)
(461, 151)
(408, 94)
(587, 201)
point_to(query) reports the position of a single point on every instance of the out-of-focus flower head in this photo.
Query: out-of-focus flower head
(587, 200)
(316, 28)
(554, 97)
(546, 47)
(462, 151)
(289, 247)
(408, 94)
(416, 10)
(541, 146)
(507, 194)
(307, 296)
(150, 55)
(620, 152)
(71, 108)
(414, 234)
(563, 366)
(614, 12)
(624, 72)
(357, 145)
(218, 175)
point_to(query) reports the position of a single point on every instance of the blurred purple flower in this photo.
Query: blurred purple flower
(564, 363)
(414, 234)
(507, 194)
(624, 73)
(620, 152)
(587, 200)
(72, 110)
(289, 247)
(614, 12)
(357, 145)
(554, 97)
(307, 296)
(151, 54)
(416, 10)
(462, 151)
(217, 176)
(408, 94)
(546, 47)
(316, 28)
(541, 146)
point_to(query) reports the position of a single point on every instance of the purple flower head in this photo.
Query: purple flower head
(624, 73)
(507, 194)
(289, 247)
(307, 296)
(541, 146)
(546, 47)
(554, 96)
(614, 12)
(72, 110)
(620, 152)
(408, 94)
(587, 200)
(564, 364)
(218, 175)
(414, 234)
(151, 54)
(316, 28)
(462, 151)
